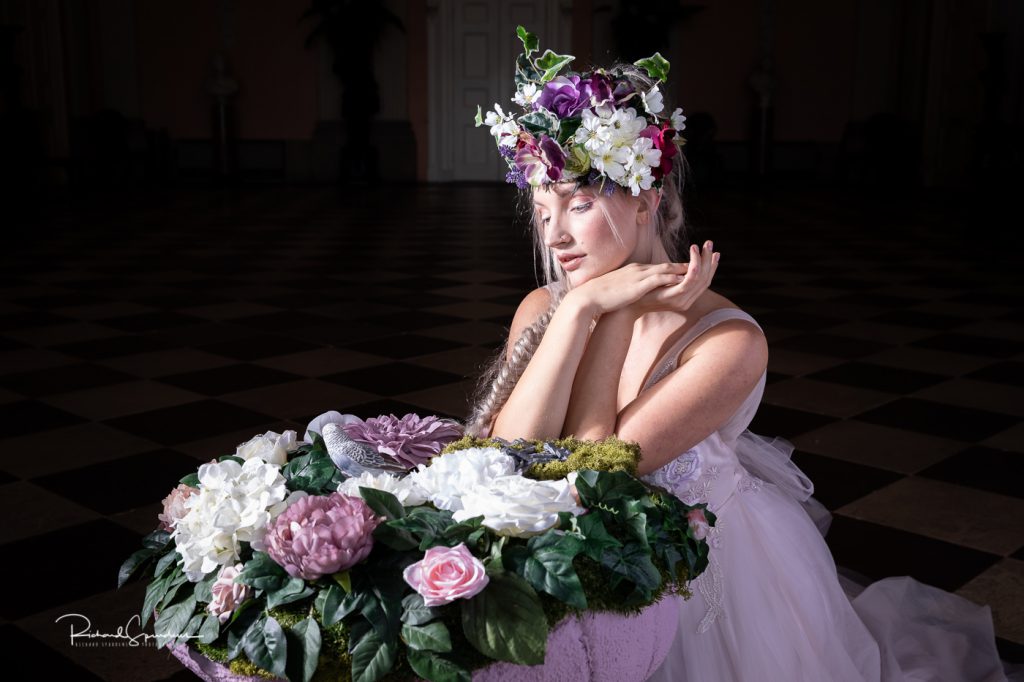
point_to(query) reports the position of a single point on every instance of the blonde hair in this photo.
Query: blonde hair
(666, 229)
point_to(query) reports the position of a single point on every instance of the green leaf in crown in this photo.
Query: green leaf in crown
(530, 41)
(550, 64)
(655, 65)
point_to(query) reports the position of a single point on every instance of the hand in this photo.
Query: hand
(679, 296)
(620, 288)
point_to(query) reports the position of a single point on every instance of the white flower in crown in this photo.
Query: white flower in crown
(653, 102)
(625, 126)
(527, 96)
(593, 131)
(642, 154)
(640, 178)
(678, 120)
(503, 127)
(611, 160)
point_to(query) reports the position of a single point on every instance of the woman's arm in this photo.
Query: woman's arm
(591, 414)
(719, 370)
(537, 405)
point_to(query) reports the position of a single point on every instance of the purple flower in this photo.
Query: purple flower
(623, 90)
(515, 177)
(540, 160)
(564, 97)
(597, 89)
(320, 535)
(409, 441)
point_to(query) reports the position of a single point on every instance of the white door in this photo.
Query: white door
(472, 47)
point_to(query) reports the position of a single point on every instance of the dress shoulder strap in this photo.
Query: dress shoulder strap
(667, 362)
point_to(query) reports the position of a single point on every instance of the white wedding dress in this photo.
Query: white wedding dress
(771, 606)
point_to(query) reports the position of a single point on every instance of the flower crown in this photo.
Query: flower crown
(585, 127)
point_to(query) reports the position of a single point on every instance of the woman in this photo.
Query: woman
(625, 340)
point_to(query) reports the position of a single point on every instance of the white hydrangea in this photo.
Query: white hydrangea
(235, 504)
(409, 494)
(518, 506)
(451, 475)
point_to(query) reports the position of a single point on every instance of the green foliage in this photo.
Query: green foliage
(608, 454)
(656, 66)
(550, 64)
(505, 621)
(262, 573)
(530, 42)
(312, 471)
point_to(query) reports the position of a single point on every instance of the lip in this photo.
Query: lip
(570, 263)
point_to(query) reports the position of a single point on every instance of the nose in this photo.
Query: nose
(555, 236)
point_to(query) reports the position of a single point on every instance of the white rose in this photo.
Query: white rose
(449, 476)
(271, 447)
(519, 506)
(409, 494)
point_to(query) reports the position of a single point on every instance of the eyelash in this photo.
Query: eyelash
(578, 208)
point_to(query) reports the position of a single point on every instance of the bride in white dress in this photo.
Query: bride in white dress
(626, 340)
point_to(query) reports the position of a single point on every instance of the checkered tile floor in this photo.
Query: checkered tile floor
(139, 338)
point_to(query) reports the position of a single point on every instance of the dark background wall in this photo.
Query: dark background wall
(900, 93)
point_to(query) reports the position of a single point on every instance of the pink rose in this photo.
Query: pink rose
(174, 506)
(446, 574)
(698, 523)
(227, 594)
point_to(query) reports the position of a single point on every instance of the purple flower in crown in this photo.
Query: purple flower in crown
(564, 96)
(540, 160)
(597, 89)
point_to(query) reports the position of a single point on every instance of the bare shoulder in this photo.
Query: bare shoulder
(535, 304)
(736, 341)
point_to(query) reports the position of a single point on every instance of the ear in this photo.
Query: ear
(649, 200)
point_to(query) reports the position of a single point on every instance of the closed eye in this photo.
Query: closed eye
(583, 208)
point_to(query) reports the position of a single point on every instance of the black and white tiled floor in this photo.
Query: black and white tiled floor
(140, 337)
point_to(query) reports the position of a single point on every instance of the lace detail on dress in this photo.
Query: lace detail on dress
(749, 483)
(710, 585)
(699, 491)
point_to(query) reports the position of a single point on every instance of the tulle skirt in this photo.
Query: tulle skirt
(772, 607)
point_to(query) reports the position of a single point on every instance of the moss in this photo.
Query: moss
(609, 454)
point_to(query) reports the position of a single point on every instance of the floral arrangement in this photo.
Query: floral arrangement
(398, 547)
(589, 127)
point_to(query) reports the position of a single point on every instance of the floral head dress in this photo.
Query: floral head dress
(594, 127)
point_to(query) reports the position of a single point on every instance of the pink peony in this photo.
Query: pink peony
(409, 441)
(446, 574)
(320, 535)
(227, 594)
(174, 506)
(698, 523)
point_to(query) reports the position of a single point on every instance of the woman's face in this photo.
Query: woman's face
(575, 229)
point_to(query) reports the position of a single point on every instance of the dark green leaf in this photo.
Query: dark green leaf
(430, 666)
(396, 538)
(210, 630)
(382, 502)
(424, 523)
(303, 650)
(607, 488)
(384, 615)
(266, 646)
(656, 65)
(432, 637)
(166, 562)
(292, 590)
(333, 604)
(192, 628)
(262, 573)
(525, 73)
(155, 591)
(546, 563)
(133, 563)
(506, 622)
(416, 612)
(173, 620)
(204, 588)
(633, 562)
(372, 657)
(158, 539)
(242, 620)
(232, 458)
(313, 473)
(174, 583)
(191, 480)
(596, 538)
(530, 42)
